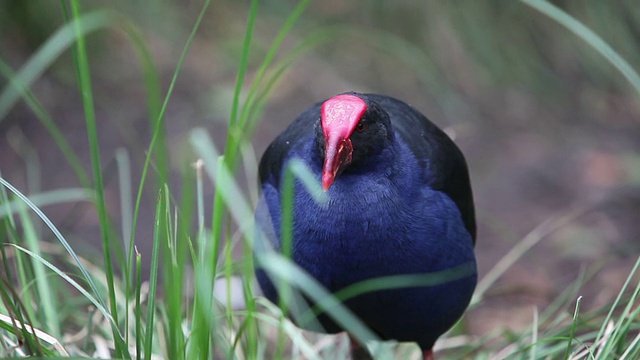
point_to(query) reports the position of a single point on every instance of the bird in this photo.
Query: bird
(398, 202)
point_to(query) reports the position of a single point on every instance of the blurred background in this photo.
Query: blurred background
(548, 126)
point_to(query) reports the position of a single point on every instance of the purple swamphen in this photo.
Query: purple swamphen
(399, 203)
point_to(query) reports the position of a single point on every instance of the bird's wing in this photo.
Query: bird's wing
(273, 159)
(443, 162)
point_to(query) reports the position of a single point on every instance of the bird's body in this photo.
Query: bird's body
(399, 203)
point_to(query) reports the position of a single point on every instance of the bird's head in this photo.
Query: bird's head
(352, 130)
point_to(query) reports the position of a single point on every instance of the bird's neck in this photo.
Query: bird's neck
(382, 161)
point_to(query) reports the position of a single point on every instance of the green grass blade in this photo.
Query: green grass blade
(228, 193)
(290, 21)
(534, 334)
(281, 268)
(47, 54)
(239, 133)
(65, 244)
(516, 252)
(617, 301)
(158, 236)
(48, 301)
(156, 133)
(84, 84)
(138, 308)
(233, 136)
(93, 299)
(574, 325)
(268, 60)
(124, 181)
(49, 124)
(590, 37)
(209, 154)
(154, 99)
(244, 59)
(619, 333)
(58, 196)
(17, 306)
(633, 351)
(175, 266)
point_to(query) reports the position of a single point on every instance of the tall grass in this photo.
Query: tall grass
(176, 314)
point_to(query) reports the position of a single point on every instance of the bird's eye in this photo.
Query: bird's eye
(360, 127)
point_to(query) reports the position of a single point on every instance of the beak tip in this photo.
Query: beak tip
(326, 185)
(327, 181)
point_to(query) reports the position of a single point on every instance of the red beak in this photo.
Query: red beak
(339, 116)
(338, 153)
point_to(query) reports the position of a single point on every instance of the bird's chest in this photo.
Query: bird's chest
(371, 233)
